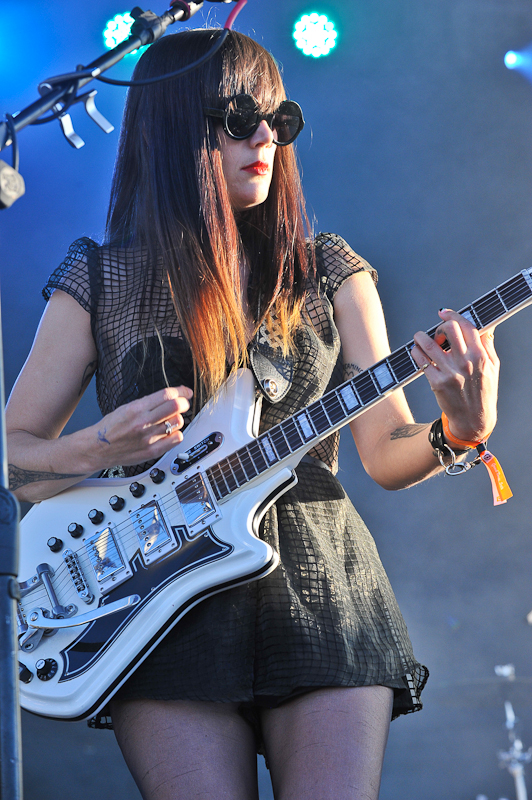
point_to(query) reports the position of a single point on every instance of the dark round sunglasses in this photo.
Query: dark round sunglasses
(241, 118)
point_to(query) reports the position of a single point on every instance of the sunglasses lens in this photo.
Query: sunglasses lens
(286, 122)
(242, 116)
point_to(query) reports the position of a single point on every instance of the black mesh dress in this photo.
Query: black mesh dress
(327, 615)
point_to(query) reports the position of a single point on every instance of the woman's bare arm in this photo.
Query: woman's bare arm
(61, 363)
(395, 450)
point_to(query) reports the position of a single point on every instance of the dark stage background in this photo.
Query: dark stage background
(418, 150)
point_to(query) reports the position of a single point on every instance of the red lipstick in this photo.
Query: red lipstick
(257, 168)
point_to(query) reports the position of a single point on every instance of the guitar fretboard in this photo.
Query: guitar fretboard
(339, 406)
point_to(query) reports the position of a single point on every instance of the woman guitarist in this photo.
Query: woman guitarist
(207, 261)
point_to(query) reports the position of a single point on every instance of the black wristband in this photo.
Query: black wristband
(437, 441)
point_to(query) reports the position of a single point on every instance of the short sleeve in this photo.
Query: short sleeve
(336, 261)
(78, 275)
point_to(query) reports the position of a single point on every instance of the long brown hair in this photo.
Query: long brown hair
(169, 197)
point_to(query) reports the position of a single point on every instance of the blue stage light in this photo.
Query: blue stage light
(520, 61)
(117, 30)
(512, 59)
(314, 34)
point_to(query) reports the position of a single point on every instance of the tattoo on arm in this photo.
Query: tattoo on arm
(90, 369)
(101, 436)
(350, 370)
(407, 431)
(21, 477)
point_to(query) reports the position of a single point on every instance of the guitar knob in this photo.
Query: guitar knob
(95, 516)
(46, 668)
(55, 544)
(75, 530)
(24, 674)
(157, 475)
(137, 489)
(117, 503)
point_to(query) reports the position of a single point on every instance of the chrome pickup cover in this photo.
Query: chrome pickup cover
(196, 502)
(152, 531)
(105, 558)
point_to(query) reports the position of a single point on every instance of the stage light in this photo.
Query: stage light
(118, 29)
(512, 59)
(520, 61)
(314, 34)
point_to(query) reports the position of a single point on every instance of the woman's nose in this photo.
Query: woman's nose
(263, 135)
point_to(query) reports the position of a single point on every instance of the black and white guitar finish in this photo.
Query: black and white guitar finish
(109, 566)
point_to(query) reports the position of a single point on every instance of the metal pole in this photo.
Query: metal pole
(10, 729)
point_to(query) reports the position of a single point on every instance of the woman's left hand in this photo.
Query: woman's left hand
(465, 378)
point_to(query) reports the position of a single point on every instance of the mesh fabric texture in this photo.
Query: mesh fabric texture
(327, 615)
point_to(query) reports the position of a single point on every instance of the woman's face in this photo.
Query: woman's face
(248, 165)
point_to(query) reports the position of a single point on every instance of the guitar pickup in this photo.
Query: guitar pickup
(106, 560)
(196, 502)
(153, 534)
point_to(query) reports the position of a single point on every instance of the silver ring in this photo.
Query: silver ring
(424, 367)
(168, 427)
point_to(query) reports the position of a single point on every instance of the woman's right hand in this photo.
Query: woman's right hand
(42, 460)
(136, 432)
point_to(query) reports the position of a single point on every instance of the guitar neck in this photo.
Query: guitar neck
(299, 433)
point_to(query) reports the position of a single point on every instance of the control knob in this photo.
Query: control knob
(117, 503)
(54, 544)
(24, 674)
(137, 489)
(95, 516)
(157, 475)
(75, 530)
(46, 668)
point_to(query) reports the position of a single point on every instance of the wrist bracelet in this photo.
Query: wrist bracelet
(438, 443)
(454, 440)
(440, 429)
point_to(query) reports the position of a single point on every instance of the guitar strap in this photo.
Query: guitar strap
(273, 371)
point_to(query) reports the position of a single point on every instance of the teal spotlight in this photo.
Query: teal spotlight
(118, 29)
(314, 34)
(512, 59)
(520, 60)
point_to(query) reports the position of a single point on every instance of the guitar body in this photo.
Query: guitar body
(170, 548)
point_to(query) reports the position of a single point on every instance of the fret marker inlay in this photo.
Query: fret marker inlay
(349, 397)
(383, 376)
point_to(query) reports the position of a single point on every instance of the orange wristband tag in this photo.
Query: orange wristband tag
(499, 484)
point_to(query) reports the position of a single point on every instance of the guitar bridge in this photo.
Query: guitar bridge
(78, 579)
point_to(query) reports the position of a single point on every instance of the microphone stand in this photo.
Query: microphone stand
(58, 95)
(515, 758)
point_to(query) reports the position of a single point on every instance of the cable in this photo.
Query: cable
(221, 39)
(234, 13)
(68, 100)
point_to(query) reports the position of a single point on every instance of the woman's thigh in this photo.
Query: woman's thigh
(328, 744)
(182, 749)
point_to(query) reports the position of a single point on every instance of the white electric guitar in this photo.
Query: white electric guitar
(109, 566)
